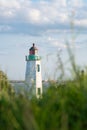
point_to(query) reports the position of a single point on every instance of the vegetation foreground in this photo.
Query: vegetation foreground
(62, 107)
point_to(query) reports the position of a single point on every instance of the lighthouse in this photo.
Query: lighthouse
(33, 76)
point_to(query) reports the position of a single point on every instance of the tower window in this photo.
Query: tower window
(39, 91)
(38, 68)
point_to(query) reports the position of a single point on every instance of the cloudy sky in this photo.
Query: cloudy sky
(48, 23)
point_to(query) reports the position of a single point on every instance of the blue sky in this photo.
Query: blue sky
(49, 24)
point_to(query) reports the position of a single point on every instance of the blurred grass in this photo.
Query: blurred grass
(15, 110)
(63, 106)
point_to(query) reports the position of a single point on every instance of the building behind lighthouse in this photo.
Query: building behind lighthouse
(33, 77)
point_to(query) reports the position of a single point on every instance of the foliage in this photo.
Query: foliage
(15, 113)
(15, 110)
(4, 83)
(63, 106)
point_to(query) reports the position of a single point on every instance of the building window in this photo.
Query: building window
(39, 91)
(38, 68)
(35, 51)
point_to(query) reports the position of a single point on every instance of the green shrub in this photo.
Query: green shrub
(4, 83)
(63, 107)
(15, 113)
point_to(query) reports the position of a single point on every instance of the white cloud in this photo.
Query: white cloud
(56, 43)
(34, 15)
(61, 44)
(5, 28)
(7, 14)
(81, 22)
(9, 4)
(75, 3)
(59, 3)
(50, 13)
(47, 12)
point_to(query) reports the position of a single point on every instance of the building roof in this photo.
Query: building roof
(33, 47)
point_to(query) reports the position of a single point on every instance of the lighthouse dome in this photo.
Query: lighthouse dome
(33, 47)
(33, 50)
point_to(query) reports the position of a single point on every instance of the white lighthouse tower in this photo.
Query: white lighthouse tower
(33, 76)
